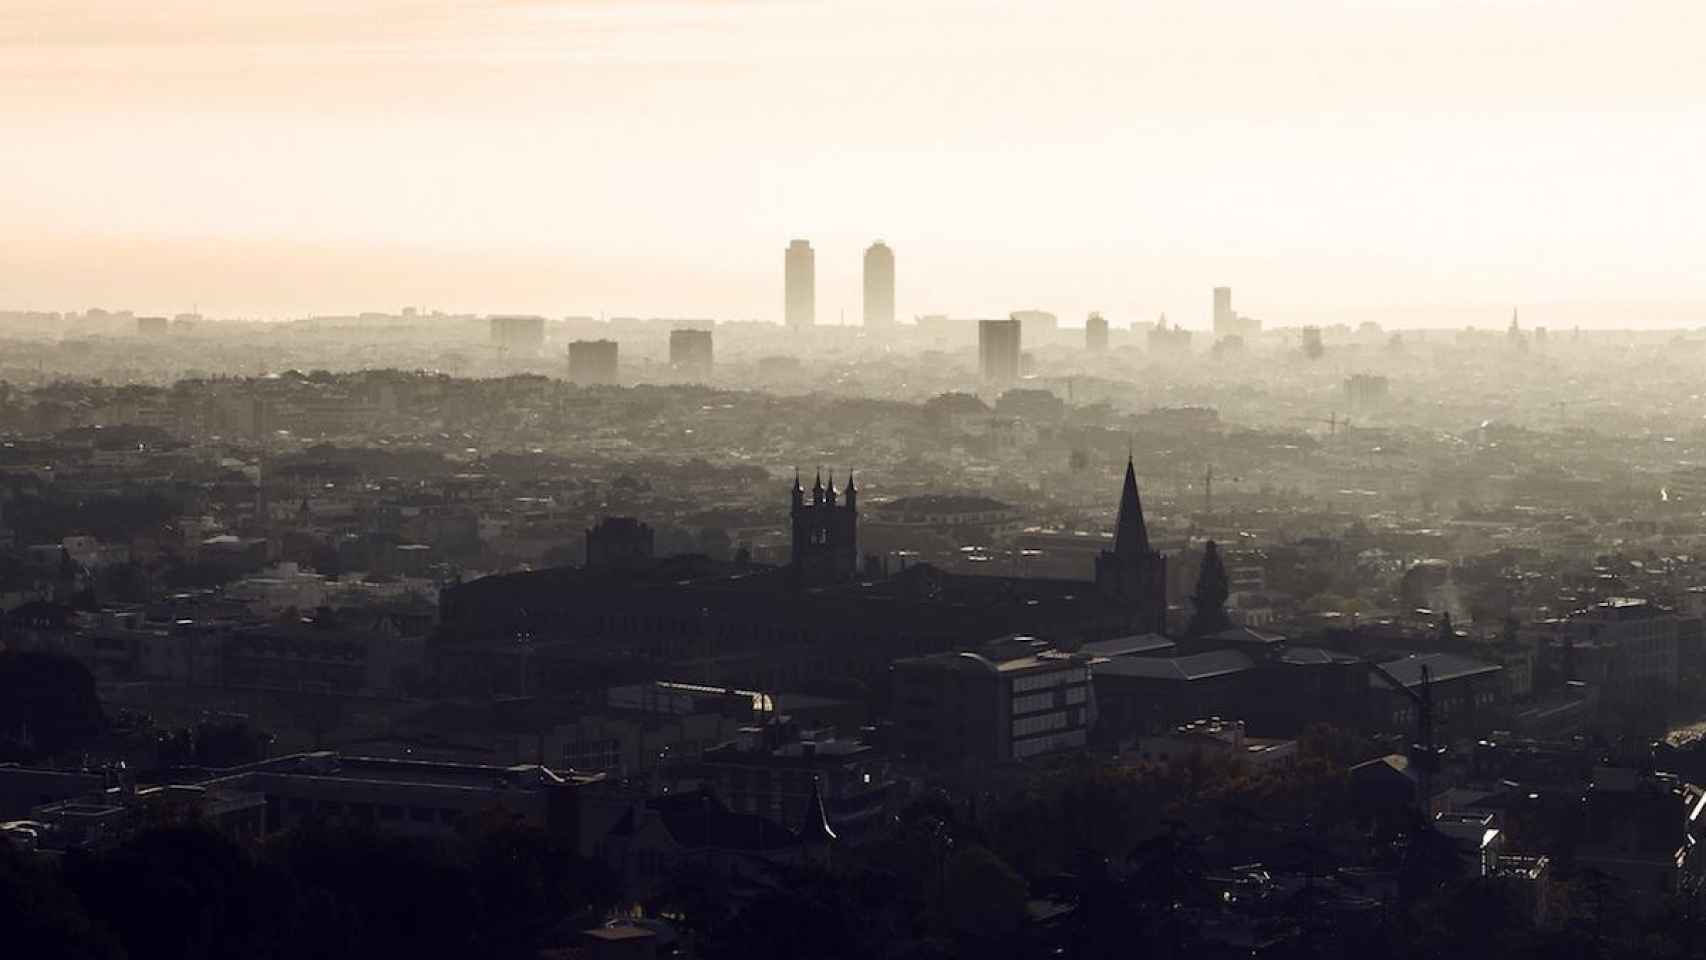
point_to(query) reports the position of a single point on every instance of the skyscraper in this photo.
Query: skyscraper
(879, 285)
(998, 350)
(1096, 333)
(1225, 321)
(800, 285)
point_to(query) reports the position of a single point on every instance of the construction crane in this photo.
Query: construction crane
(1423, 754)
(1334, 422)
(1208, 488)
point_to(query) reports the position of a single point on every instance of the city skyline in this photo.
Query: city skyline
(1380, 158)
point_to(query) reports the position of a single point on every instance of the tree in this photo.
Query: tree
(985, 898)
(1213, 589)
(48, 703)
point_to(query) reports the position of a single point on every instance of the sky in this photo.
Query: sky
(1403, 159)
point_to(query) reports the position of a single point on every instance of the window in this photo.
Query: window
(601, 754)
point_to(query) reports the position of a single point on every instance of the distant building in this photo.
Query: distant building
(1366, 390)
(516, 334)
(998, 350)
(1037, 321)
(1096, 333)
(1629, 647)
(151, 326)
(690, 352)
(879, 286)
(1228, 323)
(1165, 339)
(592, 361)
(799, 285)
(1219, 739)
(1012, 700)
(618, 542)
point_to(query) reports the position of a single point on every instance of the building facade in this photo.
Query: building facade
(879, 286)
(799, 281)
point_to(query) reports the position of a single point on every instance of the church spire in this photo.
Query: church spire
(1131, 536)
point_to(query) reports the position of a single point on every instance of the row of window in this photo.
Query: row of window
(1052, 678)
(1026, 726)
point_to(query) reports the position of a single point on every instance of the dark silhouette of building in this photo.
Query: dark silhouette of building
(592, 361)
(998, 350)
(773, 627)
(690, 352)
(879, 286)
(618, 542)
(1132, 573)
(1096, 333)
(151, 326)
(799, 285)
(825, 532)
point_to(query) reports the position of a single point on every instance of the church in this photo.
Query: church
(826, 618)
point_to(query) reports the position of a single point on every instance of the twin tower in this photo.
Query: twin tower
(799, 282)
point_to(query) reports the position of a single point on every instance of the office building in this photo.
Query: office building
(151, 326)
(998, 350)
(1096, 333)
(592, 361)
(1012, 700)
(1227, 322)
(800, 285)
(690, 352)
(514, 334)
(879, 286)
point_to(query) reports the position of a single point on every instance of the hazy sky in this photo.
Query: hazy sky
(274, 157)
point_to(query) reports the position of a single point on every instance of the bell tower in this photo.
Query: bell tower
(825, 532)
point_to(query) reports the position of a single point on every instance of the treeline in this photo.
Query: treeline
(184, 892)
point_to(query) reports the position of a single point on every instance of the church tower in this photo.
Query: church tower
(826, 532)
(1132, 573)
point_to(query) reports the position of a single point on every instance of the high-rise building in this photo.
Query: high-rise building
(800, 285)
(592, 361)
(518, 334)
(998, 350)
(1096, 333)
(690, 352)
(879, 285)
(1224, 319)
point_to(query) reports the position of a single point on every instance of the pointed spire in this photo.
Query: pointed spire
(1131, 536)
(797, 486)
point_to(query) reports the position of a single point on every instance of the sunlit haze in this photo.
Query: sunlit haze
(270, 159)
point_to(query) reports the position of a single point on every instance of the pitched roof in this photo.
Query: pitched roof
(1440, 666)
(1201, 666)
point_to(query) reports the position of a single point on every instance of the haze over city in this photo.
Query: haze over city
(1440, 162)
(815, 480)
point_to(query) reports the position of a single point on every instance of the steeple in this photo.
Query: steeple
(798, 493)
(852, 492)
(829, 493)
(1131, 536)
(817, 488)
